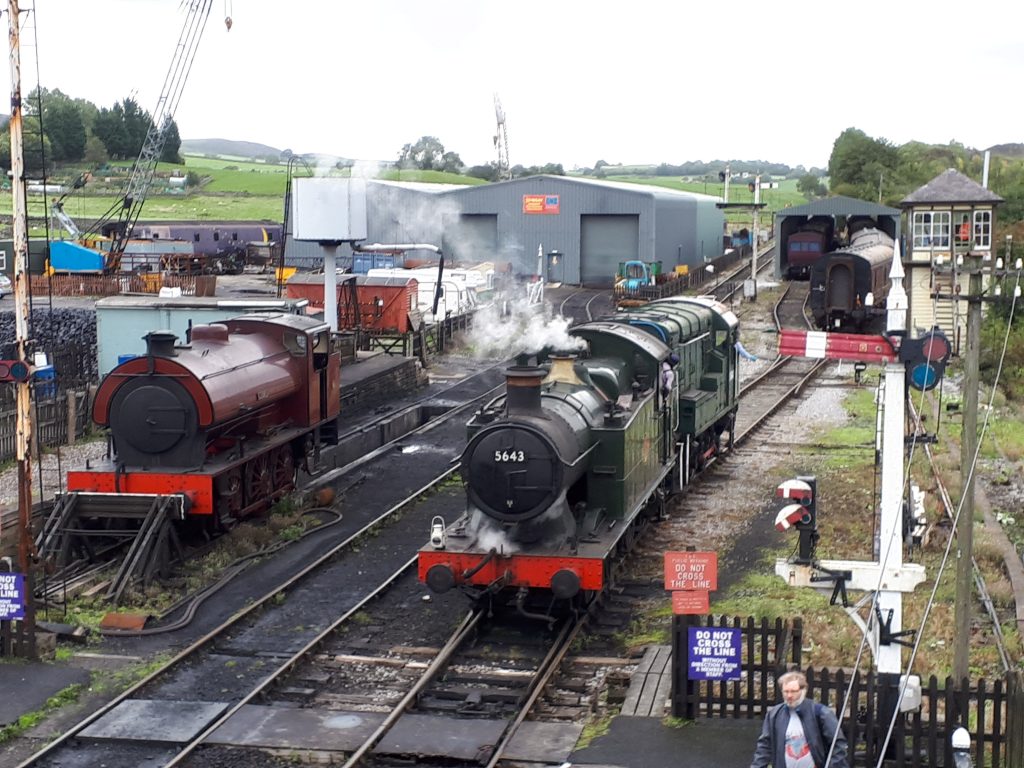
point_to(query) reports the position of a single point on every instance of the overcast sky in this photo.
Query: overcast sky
(625, 82)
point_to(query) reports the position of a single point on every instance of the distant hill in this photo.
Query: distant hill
(1007, 150)
(230, 148)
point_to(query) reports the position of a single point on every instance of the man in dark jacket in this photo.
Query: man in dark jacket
(798, 733)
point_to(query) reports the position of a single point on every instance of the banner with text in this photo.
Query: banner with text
(540, 203)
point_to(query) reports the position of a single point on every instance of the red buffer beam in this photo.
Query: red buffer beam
(837, 346)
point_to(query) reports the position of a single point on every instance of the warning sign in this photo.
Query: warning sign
(12, 596)
(691, 602)
(691, 570)
(714, 653)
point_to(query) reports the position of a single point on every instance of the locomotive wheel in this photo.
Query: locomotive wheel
(229, 498)
(257, 479)
(284, 468)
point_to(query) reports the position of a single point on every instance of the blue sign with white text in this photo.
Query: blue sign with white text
(714, 653)
(12, 596)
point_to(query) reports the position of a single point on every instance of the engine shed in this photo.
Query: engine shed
(835, 211)
(568, 229)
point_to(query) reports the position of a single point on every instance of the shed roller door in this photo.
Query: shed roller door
(604, 242)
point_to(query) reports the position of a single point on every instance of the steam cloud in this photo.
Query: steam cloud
(496, 335)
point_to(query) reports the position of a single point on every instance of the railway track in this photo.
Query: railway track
(239, 661)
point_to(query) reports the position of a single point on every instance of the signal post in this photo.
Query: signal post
(884, 580)
(18, 370)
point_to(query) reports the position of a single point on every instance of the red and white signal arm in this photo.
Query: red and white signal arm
(794, 489)
(790, 515)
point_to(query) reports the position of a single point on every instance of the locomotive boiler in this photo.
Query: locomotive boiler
(560, 472)
(222, 420)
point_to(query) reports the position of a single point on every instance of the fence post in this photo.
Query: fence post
(72, 399)
(1015, 720)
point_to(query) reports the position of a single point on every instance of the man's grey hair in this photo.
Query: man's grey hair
(798, 677)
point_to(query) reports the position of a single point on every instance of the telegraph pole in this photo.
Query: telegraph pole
(24, 421)
(968, 448)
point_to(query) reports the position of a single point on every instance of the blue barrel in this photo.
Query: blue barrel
(46, 381)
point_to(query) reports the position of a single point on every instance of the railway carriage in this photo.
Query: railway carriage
(561, 471)
(849, 286)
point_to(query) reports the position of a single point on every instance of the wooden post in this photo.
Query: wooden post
(72, 416)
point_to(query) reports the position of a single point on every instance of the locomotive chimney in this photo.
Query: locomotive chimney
(522, 390)
(161, 343)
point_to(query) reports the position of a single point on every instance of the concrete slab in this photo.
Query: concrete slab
(645, 742)
(429, 735)
(27, 685)
(543, 742)
(313, 729)
(155, 721)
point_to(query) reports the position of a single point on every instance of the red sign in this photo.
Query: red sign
(692, 602)
(540, 204)
(691, 570)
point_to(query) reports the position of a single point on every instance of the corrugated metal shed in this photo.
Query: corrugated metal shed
(584, 227)
(951, 187)
(646, 222)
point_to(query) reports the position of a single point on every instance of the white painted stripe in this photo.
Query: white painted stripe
(817, 341)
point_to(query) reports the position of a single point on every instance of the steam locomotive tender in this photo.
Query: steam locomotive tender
(222, 420)
(560, 472)
(849, 285)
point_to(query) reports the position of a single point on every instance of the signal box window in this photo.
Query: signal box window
(931, 229)
(983, 229)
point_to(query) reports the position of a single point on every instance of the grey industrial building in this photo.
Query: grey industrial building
(583, 228)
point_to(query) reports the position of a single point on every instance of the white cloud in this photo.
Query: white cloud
(639, 82)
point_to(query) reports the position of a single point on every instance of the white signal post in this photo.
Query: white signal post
(753, 234)
(889, 576)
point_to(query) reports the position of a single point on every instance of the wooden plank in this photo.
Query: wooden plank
(662, 658)
(662, 694)
(646, 700)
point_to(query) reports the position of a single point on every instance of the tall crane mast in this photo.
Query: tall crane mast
(119, 220)
(501, 142)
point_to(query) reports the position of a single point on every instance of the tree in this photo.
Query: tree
(62, 122)
(427, 154)
(810, 186)
(859, 164)
(123, 129)
(172, 143)
(34, 154)
(451, 162)
(487, 172)
(95, 152)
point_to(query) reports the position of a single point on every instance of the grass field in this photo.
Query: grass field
(251, 190)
